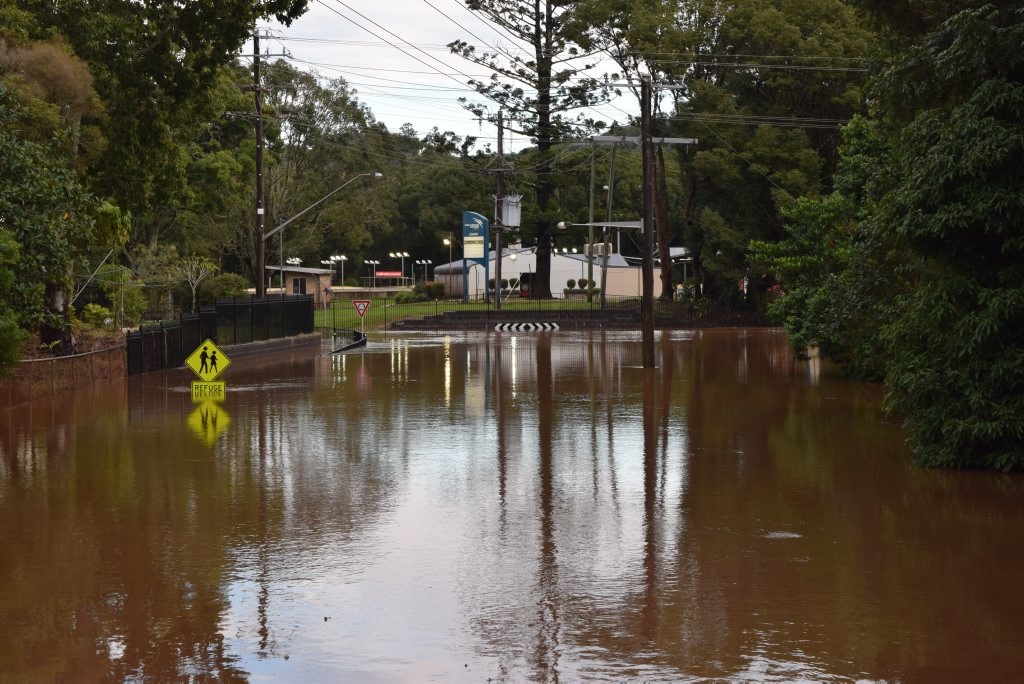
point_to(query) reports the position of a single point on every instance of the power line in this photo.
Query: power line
(348, 7)
(495, 48)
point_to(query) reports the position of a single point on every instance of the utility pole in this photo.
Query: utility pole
(260, 236)
(606, 246)
(260, 275)
(499, 201)
(647, 140)
(590, 229)
(647, 266)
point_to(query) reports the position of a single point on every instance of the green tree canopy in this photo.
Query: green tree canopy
(915, 266)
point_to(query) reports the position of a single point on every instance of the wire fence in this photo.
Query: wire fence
(36, 378)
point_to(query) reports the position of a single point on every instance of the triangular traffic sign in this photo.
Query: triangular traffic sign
(361, 306)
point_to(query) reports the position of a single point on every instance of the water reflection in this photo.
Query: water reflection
(517, 507)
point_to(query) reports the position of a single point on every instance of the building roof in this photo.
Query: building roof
(300, 269)
(614, 260)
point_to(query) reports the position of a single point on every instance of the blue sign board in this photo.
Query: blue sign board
(476, 244)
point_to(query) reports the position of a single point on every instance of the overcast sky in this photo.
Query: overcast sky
(394, 54)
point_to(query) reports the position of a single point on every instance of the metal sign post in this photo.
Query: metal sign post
(361, 306)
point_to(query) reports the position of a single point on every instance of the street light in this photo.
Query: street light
(281, 226)
(400, 255)
(375, 263)
(448, 241)
(424, 263)
(336, 259)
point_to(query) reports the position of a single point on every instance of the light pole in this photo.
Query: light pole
(341, 259)
(403, 256)
(424, 263)
(374, 263)
(291, 261)
(336, 259)
(329, 264)
(281, 226)
(448, 241)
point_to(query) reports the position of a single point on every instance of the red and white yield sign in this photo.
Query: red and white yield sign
(361, 306)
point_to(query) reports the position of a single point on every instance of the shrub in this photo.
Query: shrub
(96, 316)
(410, 297)
(428, 291)
(222, 286)
(570, 284)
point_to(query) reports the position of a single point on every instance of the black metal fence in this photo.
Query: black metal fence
(230, 321)
(251, 320)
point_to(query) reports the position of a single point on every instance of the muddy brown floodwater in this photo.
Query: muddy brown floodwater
(512, 507)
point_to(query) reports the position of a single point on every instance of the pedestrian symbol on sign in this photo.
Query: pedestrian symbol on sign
(207, 361)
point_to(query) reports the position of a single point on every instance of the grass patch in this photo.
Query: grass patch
(343, 315)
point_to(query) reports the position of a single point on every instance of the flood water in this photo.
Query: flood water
(512, 507)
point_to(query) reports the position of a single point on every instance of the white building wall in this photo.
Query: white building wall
(622, 281)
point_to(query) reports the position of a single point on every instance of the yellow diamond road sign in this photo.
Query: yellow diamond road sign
(207, 361)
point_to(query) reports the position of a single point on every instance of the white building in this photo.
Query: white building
(519, 264)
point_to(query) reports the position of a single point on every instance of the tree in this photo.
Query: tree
(915, 265)
(11, 335)
(837, 273)
(124, 291)
(957, 375)
(193, 270)
(766, 124)
(154, 64)
(45, 211)
(318, 140)
(536, 93)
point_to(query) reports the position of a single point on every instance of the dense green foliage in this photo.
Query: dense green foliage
(45, 211)
(11, 335)
(914, 268)
(762, 85)
(958, 205)
(839, 273)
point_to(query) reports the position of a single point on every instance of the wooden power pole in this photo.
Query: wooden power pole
(647, 265)
(260, 275)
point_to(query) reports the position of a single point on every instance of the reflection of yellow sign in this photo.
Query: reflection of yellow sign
(208, 421)
(207, 361)
(208, 391)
